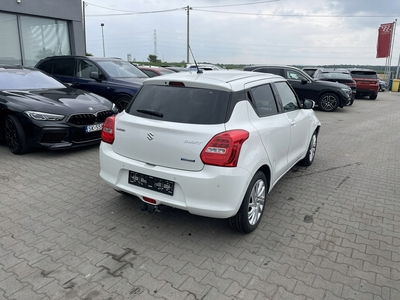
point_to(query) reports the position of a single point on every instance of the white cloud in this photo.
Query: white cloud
(324, 34)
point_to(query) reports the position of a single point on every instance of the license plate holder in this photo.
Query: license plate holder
(152, 183)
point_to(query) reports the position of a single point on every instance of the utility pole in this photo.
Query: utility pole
(187, 33)
(102, 34)
(155, 42)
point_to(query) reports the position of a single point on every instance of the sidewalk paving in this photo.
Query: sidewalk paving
(329, 231)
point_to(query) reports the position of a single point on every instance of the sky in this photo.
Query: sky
(292, 32)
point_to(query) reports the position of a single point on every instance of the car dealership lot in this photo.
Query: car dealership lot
(329, 231)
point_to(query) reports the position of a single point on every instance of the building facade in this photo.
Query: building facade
(33, 29)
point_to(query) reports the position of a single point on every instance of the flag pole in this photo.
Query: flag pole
(392, 42)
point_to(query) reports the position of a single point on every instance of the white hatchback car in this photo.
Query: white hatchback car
(212, 143)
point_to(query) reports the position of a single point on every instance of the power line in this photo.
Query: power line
(201, 8)
(293, 15)
(250, 3)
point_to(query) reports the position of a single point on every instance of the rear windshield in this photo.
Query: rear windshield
(364, 74)
(181, 104)
(336, 75)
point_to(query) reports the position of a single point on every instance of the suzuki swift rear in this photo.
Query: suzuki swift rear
(200, 142)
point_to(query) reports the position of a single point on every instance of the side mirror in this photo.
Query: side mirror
(94, 75)
(304, 81)
(308, 104)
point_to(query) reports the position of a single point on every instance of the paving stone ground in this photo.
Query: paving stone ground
(330, 231)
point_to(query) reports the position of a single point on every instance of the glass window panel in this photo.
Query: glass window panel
(10, 52)
(289, 100)
(44, 37)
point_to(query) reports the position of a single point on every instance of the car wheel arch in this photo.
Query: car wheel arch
(121, 98)
(325, 93)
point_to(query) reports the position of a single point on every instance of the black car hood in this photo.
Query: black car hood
(59, 101)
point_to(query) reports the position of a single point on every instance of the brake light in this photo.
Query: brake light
(176, 83)
(108, 131)
(224, 148)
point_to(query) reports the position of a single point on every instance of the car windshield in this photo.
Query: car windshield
(121, 69)
(181, 104)
(364, 74)
(27, 80)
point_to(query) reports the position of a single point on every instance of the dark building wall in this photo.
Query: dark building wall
(68, 10)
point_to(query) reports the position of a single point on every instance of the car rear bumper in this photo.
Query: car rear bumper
(367, 91)
(215, 192)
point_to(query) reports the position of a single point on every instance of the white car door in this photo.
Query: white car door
(273, 128)
(299, 121)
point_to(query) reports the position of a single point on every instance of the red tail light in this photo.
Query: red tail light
(224, 148)
(108, 131)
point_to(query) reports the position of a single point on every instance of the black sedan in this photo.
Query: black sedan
(38, 111)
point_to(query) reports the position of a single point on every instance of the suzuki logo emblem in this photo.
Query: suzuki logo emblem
(150, 136)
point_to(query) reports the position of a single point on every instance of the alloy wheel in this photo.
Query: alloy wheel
(256, 202)
(11, 135)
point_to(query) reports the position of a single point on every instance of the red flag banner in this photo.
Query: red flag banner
(384, 40)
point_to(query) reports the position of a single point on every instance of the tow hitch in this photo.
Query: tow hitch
(150, 208)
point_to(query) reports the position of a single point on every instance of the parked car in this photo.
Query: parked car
(154, 71)
(112, 78)
(310, 70)
(382, 84)
(212, 143)
(205, 67)
(327, 95)
(38, 111)
(177, 69)
(337, 75)
(367, 82)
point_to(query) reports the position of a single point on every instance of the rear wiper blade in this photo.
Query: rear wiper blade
(151, 112)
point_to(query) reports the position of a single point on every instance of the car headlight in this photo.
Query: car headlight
(346, 90)
(41, 116)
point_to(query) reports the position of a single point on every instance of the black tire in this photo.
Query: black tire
(373, 97)
(122, 102)
(312, 148)
(251, 210)
(351, 101)
(15, 135)
(328, 102)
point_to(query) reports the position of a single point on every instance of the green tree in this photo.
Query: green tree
(153, 58)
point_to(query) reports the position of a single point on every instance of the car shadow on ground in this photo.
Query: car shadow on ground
(50, 154)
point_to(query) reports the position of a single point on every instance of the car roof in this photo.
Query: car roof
(94, 58)
(361, 69)
(334, 70)
(224, 80)
(271, 66)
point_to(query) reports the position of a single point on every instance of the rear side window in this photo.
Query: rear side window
(181, 104)
(364, 74)
(64, 66)
(264, 100)
(47, 66)
(294, 75)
